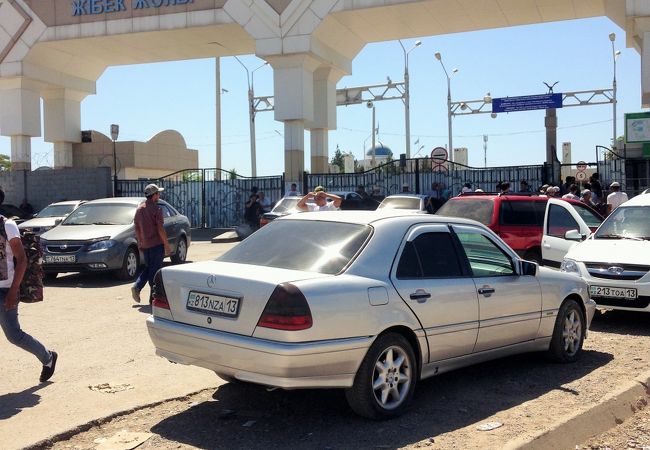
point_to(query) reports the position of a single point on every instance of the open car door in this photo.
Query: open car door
(563, 228)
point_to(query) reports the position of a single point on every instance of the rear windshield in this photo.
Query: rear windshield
(479, 209)
(314, 246)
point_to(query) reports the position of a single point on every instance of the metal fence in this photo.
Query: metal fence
(210, 198)
(418, 175)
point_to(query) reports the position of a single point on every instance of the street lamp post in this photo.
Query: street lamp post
(251, 112)
(407, 95)
(115, 132)
(612, 38)
(449, 131)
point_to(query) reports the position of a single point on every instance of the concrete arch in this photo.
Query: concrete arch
(57, 49)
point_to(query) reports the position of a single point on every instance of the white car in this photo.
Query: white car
(50, 216)
(614, 260)
(370, 302)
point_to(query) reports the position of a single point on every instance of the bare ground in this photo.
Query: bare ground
(526, 394)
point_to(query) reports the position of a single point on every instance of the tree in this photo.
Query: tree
(5, 162)
(337, 160)
(233, 174)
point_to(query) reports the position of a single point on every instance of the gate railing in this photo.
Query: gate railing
(418, 175)
(210, 198)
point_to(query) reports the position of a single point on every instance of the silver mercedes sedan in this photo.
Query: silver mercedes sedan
(370, 302)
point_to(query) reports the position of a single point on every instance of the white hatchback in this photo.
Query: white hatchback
(614, 260)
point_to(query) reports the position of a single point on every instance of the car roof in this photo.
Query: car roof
(638, 200)
(406, 196)
(363, 217)
(113, 200)
(67, 202)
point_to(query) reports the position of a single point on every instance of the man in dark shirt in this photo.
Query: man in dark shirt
(152, 239)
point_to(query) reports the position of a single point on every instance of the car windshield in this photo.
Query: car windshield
(629, 222)
(400, 203)
(102, 214)
(479, 209)
(285, 204)
(323, 247)
(56, 210)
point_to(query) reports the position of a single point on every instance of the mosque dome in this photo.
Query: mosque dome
(380, 150)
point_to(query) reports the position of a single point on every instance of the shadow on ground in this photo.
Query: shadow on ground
(248, 416)
(633, 323)
(14, 402)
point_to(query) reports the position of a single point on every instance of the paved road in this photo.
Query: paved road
(103, 345)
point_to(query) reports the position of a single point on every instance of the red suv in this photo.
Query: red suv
(517, 218)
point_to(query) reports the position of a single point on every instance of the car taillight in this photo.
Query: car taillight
(287, 309)
(263, 221)
(158, 295)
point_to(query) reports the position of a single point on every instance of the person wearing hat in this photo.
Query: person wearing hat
(586, 198)
(616, 198)
(152, 238)
(320, 201)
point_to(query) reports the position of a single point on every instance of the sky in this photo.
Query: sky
(148, 98)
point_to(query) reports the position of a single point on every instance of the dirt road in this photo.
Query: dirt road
(526, 394)
(107, 365)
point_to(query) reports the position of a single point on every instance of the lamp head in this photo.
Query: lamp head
(370, 105)
(454, 71)
(418, 43)
(463, 106)
(438, 56)
(612, 37)
(493, 115)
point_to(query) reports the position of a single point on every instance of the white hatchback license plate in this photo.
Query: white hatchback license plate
(60, 258)
(613, 292)
(213, 304)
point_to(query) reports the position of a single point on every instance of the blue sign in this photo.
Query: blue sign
(526, 103)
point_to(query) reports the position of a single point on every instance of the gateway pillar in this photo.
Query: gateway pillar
(20, 118)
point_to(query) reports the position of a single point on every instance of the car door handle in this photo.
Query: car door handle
(547, 245)
(486, 291)
(420, 295)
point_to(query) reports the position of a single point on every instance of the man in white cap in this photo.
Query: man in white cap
(616, 198)
(152, 239)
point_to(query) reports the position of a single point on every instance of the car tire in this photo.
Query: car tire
(385, 381)
(181, 251)
(568, 333)
(130, 265)
(534, 255)
(50, 276)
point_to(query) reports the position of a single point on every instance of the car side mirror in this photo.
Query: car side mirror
(57, 221)
(528, 268)
(573, 235)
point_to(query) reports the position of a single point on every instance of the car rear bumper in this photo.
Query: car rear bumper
(321, 364)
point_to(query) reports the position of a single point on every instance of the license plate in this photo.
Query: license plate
(213, 304)
(59, 258)
(613, 292)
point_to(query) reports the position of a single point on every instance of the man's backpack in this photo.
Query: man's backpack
(31, 288)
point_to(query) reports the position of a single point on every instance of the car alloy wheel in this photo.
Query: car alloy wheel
(181, 252)
(391, 378)
(568, 333)
(385, 381)
(131, 264)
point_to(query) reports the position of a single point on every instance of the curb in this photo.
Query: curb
(50, 441)
(612, 411)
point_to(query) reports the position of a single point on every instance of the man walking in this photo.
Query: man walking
(152, 239)
(11, 276)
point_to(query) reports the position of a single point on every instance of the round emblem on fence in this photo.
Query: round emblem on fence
(581, 176)
(581, 166)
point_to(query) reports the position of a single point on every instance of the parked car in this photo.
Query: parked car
(355, 201)
(411, 202)
(49, 217)
(100, 236)
(365, 301)
(14, 213)
(615, 260)
(284, 207)
(517, 218)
